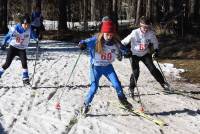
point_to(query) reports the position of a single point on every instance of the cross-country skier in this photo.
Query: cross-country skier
(103, 50)
(141, 39)
(18, 39)
(37, 22)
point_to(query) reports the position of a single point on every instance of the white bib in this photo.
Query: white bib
(106, 57)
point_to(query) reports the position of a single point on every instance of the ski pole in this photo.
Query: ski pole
(161, 70)
(36, 58)
(163, 74)
(62, 92)
(140, 100)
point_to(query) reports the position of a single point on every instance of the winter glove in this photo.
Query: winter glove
(82, 45)
(3, 47)
(119, 55)
(128, 54)
(151, 49)
(156, 53)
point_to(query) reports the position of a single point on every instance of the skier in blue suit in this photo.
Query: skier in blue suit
(18, 39)
(103, 50)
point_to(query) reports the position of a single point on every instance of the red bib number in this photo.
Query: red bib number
(106, 56)
(142, 46)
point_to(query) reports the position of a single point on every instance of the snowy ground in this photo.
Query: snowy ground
(21, 113)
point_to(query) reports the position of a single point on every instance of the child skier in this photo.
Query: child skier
(140, 40)
(37, 22)
(103, 50)
(18, 39)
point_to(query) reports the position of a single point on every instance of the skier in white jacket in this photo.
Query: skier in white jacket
(141, 40)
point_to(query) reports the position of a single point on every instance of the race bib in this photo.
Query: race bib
(19, 39)
(105, 58)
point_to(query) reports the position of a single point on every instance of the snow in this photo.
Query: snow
(53, 24)
(22, 114)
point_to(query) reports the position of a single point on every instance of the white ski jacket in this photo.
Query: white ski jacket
(140, 42)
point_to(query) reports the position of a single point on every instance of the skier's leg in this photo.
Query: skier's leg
(23, 58)
(112, 77)
(135, 73)
(10, 55)
(95, 75)
(148, 61)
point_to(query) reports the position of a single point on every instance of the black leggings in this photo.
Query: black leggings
(12, 52)
(148, 61)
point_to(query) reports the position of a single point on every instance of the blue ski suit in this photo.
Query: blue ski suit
(97, 70)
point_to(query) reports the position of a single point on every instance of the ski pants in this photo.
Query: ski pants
(148, 61)
(12, 52)
(95, 74)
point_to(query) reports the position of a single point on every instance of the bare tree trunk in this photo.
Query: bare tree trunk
(131, 12)
(192, 9)
(3, 16)
(27, 6)
(93, 9)
(62, 21)
(85, 15)
(155, 11)
(148, 8)
(115, 13)
(138, 12)
(171, 6)
(37, 3)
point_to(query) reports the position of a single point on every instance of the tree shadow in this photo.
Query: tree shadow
(185, 110)
(188, 94)
(106, 115)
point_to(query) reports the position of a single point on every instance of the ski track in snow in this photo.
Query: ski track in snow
(23, 111)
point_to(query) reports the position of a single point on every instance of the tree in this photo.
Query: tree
(93, 13)
(148, 8)
(138, 12)
(114, 14)
(27, 6)
(62, 20)
(37, 3)
(3, 16)
(85, 14)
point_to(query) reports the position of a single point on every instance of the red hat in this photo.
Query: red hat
(108, 27)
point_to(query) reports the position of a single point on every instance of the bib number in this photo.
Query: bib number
(142, 46)
(19, 40)
(106, 56)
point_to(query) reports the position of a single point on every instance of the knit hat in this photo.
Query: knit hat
(108, 27)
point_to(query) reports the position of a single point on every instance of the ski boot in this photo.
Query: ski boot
(26, 82)
(125, 103)
(85, 109)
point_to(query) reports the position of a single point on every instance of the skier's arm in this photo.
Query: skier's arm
(88, 43)
(127, 40)
(9, 35)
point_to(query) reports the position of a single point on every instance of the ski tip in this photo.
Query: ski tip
(57, 106)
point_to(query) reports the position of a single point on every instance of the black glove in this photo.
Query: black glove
(82, 45)
(156, 53)
(3, 47)
(128, 54)
(119, 55)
